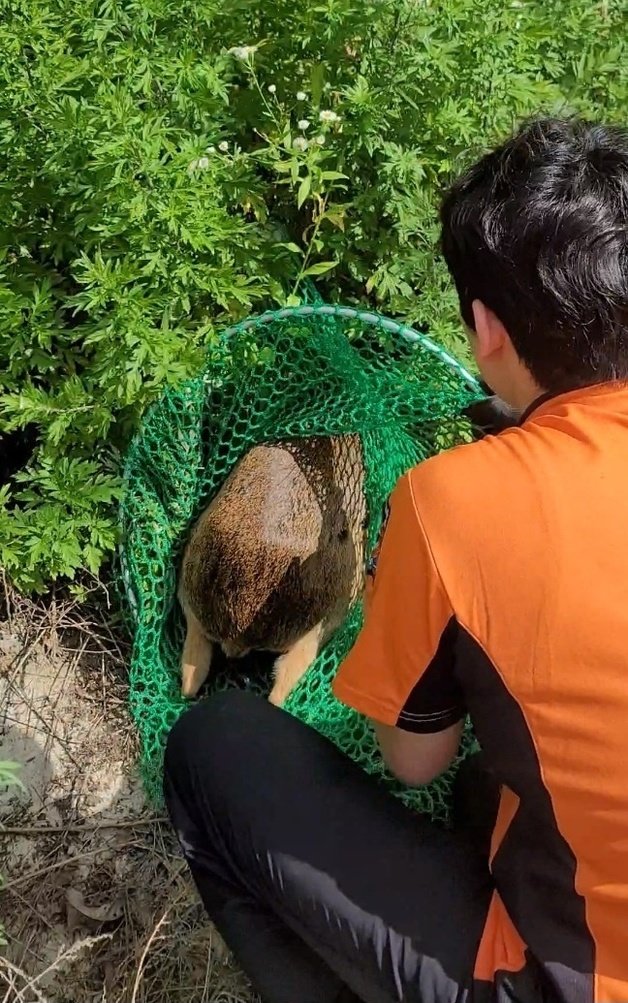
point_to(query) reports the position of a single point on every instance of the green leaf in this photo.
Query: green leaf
(304, 190)
(319, 268)
(291, 247)
(317, 81)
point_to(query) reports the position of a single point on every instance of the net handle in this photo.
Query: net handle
(365, 317)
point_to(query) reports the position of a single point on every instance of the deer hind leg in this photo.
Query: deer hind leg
(196, 658)
(290, 667)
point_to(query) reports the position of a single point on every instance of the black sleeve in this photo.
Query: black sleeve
(436, 701)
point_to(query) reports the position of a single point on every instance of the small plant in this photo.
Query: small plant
(8, 777)
(9, 774)
(167, 168)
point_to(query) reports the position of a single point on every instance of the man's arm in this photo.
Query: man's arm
(417, 759)
(401, 672)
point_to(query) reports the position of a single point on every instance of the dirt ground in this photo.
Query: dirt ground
(96, 904)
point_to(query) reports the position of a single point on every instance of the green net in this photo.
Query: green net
(308, 371)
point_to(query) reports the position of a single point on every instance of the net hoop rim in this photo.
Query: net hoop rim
(369, 317)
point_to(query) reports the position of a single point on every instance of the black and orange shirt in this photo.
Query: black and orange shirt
(501, 591)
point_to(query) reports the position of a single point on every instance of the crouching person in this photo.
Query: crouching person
(501, 592)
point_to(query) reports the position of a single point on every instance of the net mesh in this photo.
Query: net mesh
(309, 371)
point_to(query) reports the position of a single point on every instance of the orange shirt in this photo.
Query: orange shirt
(501, 591)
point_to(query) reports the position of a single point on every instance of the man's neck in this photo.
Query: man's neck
(523, 396)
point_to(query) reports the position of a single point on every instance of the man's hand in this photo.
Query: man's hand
(417, 759)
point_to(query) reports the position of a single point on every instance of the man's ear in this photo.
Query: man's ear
(490, 334)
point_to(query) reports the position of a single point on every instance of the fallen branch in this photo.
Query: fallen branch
(46, 830)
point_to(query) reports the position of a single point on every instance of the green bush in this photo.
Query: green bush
(155, 183)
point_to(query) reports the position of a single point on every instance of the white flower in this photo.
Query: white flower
(243, 52)
(303, 124)
(224, 146)
(329, 116)
(320, 140)
(301, 95)
(211, 149)
(200, 164)
(272, 89)
(300, 144)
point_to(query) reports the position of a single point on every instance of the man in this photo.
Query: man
(501, 591)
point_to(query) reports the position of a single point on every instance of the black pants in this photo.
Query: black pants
(325, 887)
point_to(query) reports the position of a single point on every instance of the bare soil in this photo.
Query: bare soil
(97, 905)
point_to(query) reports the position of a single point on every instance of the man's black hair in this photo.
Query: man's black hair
(538, 231)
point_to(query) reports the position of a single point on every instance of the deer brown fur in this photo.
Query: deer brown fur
(276, 559)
